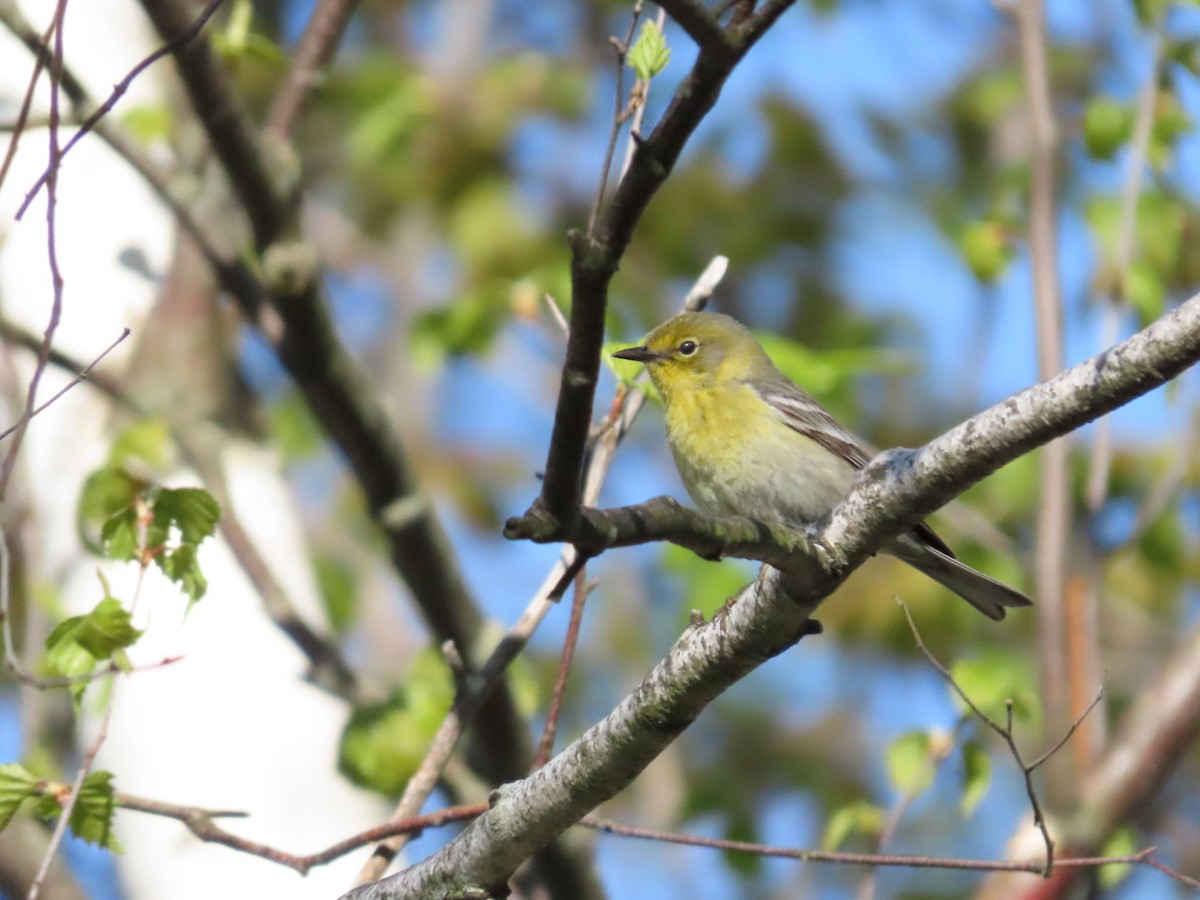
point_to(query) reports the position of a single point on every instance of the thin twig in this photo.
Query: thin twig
(313, 52)
(1006, 733)
(56, 279)
(82, 374)
(871, 859)
(119, 90)
(622, 48)
(9, 10)
(1070, 731)
(201, 823)
(636, 111)
(546, 744)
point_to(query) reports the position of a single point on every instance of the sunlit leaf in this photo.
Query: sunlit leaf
(1107, 125)
(910, 763)
(857, 817)
(649, 54)
(91, 819)
(992, 680)
(17, 784)
(986, 249)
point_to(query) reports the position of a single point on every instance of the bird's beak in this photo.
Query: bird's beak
(639, 354)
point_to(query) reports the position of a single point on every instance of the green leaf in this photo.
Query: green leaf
(649, 54)
(106, 629)
(181, 567)
(991, 680)
(192, 510)
(149, 122)
(381, 747)
(986, 249)
(1107, 126)
(193, 514)
(17, 784)
(106, 492)
(78, 643)
(1145, 292)
(977, 776)
(383, 743)
(119, 538)
(1120, 843)
(858, 817)
(910, 763)
(149, 441)
(65, 656)
(91, 819)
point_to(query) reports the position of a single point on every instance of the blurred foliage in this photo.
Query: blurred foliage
(384, 742)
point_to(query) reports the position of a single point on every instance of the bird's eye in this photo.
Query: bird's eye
(687, 348)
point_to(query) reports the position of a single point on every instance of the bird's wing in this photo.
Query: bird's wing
(802, 413)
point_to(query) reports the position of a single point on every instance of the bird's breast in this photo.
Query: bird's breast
(736, 456)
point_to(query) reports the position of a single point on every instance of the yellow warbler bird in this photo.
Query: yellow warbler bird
(747, 441)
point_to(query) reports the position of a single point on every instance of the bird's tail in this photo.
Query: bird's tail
(986, 594)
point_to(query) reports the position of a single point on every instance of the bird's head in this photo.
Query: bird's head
(697, 350)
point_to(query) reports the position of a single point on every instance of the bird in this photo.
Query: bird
(748, 441)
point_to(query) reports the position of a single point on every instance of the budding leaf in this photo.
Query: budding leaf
(649, 54)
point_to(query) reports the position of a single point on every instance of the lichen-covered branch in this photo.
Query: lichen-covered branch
(893, 493)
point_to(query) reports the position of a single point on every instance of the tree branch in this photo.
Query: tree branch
(596, 255)
(314, 51)
(894, 492)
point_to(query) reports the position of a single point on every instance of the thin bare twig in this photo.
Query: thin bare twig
(201, 823)
(9, 11)
(546, 744)
(56, 279)
(119, 90)
(314, 51)
(622, 48)
(1006, 733)
(1142, 857)
(82, 374)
